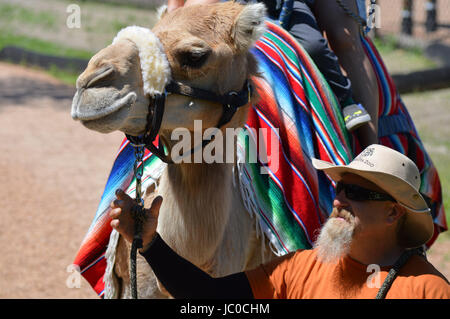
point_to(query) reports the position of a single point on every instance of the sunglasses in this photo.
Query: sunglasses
(358, 193)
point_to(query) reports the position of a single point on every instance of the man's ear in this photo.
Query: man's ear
(249, 26)
(395, 213)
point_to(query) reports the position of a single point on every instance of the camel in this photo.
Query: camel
(203, 217)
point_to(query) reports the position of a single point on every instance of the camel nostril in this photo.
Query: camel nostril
(99, 76)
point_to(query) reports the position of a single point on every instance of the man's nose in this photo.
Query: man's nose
(340, 200)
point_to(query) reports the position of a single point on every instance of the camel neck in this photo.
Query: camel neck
(199, 177)
(197, 196)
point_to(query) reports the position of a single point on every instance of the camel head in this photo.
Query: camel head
(200, 46)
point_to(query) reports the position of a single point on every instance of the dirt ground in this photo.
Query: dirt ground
(52, 174)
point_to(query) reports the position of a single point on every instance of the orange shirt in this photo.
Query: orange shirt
(299, 275)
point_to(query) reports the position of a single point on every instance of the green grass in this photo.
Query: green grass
(402, 60)
(67, 77)
(13, 16)
(41, 46)
(10, 12)
(44, 47)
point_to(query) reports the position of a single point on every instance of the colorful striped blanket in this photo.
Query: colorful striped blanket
(298, 107)
(396, 130)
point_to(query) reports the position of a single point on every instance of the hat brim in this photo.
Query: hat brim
(418, 225)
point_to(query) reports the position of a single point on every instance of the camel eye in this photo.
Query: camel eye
(194, 59)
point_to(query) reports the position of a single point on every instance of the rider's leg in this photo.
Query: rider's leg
(303, 26)
(344, 38)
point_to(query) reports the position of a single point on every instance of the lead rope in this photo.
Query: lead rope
(138, 214)
(395, 270)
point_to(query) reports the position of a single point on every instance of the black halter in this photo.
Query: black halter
(230, 101)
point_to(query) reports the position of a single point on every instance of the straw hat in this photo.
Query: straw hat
(398, 176)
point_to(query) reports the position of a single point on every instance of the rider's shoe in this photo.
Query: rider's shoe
(355, 115)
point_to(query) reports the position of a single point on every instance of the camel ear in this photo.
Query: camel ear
(161, 11)
(249, 26)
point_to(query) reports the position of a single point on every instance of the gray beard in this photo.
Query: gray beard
(335, 237)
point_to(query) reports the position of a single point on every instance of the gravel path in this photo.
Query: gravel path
(52, 174)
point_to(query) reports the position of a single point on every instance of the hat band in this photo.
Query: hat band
(425, 210)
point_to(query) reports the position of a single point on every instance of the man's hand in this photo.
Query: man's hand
(123, 222)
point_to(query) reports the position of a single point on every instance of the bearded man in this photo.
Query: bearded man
(374, 235)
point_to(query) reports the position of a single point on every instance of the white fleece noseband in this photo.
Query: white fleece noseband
(154, 64)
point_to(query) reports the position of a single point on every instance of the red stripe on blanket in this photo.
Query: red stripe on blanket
(314, 76)
(300, 197)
